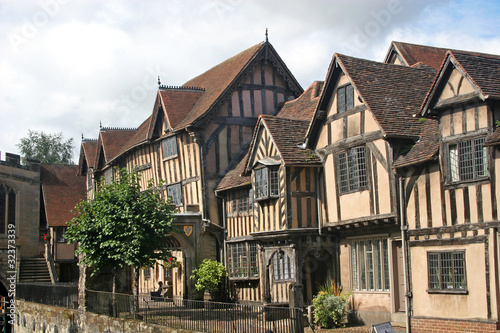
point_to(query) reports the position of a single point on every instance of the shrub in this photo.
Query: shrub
(330, 306)
(209, 275)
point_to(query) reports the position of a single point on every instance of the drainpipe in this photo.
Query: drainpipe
(318, 202)
(403, 245)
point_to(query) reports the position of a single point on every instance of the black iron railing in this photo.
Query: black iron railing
(201, 316)
(61, 294)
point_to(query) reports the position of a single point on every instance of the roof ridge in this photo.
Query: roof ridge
(117, 129)
(164, 87)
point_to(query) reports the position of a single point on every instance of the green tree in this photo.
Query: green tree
(122, 226)
(48, 148)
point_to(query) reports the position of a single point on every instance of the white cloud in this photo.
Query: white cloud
(93, 61)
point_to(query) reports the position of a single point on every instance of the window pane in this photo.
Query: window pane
(341, 99)
(354, 266)
(479, 157)
(11, 216)
(377, 268)
(344, 184)
(174, 192)
(169, 147)
(458, 270)
(433, 260)
(386, 264)
(466, 160)
(453, 163)
(349, 97)
(274, 181)
(254, 265)
(446, 271)
(362, 265)
(352, 162)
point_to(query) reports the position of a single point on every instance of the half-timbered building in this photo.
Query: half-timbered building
(195, 134)
(449, 193)
(365, 118)
(275, 253)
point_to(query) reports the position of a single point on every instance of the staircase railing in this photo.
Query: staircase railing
(50, 263)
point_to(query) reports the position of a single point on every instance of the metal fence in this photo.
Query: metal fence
(199, 316)
(62, 295)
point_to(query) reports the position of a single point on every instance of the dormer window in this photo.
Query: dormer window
(267, 182)
(169, 147)
(345, 98)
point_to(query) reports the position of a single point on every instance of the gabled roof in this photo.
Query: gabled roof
(222, 79)
(294, 115)
(176, 103)
(288, 137)
(412, 54)
(425, 149)
(111, 142)
(62, 189)
(392, 93)
(88, 150)
(303, 107)
(481, 70)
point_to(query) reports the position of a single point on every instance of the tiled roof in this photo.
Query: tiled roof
(177, 103)
(483, 70)
(88, 151)
(112, 140)
(62, 189)
(414, 53)
(221, 78)
(494, 138)
(288, 135)
(235, 177)
(425, 149)
(138, 137)
(303, 107)
(393, 93)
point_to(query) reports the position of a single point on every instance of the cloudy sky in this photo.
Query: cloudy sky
(67, 65)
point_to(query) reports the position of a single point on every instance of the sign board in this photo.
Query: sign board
(382, 328)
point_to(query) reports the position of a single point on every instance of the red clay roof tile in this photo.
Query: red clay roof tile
(62, 189)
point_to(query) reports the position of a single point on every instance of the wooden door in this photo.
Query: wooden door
(399, 277)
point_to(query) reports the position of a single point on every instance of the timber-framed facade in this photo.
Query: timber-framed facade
(382, 177)
(194, 135)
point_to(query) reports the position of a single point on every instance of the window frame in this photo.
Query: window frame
(370, 272)
(463, 165)
(60, 233)
(266, 181)
(345, 98)
(352, 178)
(243, 258)
(440, 285)
(169, 147)
(283, 267)
(177, 201)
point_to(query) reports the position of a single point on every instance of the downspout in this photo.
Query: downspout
(318, 202)
(403, 245)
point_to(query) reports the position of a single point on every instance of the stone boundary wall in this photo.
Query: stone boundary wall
(40, 318)
(440, 325)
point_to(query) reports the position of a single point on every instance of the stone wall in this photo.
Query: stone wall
(39, 318)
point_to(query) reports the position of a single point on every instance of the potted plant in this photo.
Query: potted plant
(172, 263)
(210, 275)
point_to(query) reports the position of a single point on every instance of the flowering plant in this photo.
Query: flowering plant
(46, 237)
(172, 263)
